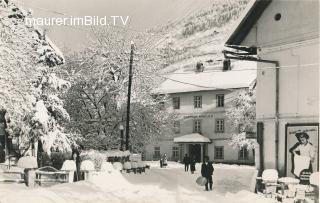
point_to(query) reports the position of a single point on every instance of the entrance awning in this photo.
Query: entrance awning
(192, 138)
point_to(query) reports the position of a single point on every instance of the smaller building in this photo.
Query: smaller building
(200, 96)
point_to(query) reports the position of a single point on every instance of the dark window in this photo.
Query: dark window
(197, 126)
(218, 152)
(220, 125)
(176, 102)
(161, 105)
(156, 151)
(175, 152)
(243, 154)
(176, 126)
(197, 101)
(220, 100)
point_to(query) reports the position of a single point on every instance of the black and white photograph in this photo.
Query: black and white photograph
(159, 101)
(302, 148)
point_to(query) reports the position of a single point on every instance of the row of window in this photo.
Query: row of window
(197, 101)
(218, 153)
(175, 152)
(219, 126)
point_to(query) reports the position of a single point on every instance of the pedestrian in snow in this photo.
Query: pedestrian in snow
(193, 164)
(186, 161)
(76, 151)
(207, 171)
(161, 162)
(164, 160)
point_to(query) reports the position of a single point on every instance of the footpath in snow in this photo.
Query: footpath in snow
(170, 185)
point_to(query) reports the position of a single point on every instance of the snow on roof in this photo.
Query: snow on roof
(194, 138)
(242, 74)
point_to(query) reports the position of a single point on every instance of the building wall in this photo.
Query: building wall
(294, 16)
(208, 115)
(294, 42)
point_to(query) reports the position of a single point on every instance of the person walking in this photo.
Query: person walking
(165, 160)
(186, 161)
(207, 171)
(193, 164)
(76, 152)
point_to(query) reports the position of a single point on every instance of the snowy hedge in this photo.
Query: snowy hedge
(98, 157)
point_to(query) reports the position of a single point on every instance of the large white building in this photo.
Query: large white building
(286, 37)
(200, 97)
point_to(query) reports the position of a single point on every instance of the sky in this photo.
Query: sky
(143, 14)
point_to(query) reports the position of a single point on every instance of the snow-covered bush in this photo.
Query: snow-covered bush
(58, 158)
(99, 157)
(27, 162)
(117, 166)
(134, 164)
(107, 166)
(95, 156)
(69, 165)
(141, 164)
(127, 165)
(87, 165)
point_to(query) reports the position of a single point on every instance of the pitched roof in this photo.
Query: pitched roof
(243, 73)
(249, 17)
(194, 138)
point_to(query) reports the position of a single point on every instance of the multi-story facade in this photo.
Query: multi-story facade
(200, 100)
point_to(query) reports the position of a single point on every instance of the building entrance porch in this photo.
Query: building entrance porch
(197, 151)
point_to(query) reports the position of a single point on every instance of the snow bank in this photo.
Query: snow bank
(246, 197)
(171, 164)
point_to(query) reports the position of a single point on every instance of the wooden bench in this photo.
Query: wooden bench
(11, 174)
(49, 174)
(13, 179)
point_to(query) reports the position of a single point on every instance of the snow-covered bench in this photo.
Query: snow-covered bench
(49, 174)
(12, 175)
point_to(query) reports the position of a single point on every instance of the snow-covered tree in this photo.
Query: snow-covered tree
(242, 115)
(97, 98)
(29, 88)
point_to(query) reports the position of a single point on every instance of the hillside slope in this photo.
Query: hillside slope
(199, 36)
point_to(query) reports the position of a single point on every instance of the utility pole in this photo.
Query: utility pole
(129, 95)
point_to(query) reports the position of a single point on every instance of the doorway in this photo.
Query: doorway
(195, 150)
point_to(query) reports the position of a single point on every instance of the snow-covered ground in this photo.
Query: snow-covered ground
(171, 184)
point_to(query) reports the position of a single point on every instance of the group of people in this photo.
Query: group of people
(206, 169)
(189, 161)
(163, 161)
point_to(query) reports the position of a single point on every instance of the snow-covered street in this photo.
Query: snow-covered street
(171, 184)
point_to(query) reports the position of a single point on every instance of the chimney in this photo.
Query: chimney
(226, 65)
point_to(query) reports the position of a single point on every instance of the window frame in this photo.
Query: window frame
(245, 152)
(197, 102)
(176, 128)
(197, 128)
(175, 151)
(176, 102)
(220, 103)
(155, 150)
(222, 152)
(219, 129)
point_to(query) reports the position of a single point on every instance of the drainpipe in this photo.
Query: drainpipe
(276, 120)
